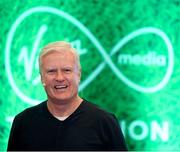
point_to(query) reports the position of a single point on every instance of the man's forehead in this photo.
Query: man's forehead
(59, 58)
(59, 54)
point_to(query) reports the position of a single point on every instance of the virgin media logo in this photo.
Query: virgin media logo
(26, 57)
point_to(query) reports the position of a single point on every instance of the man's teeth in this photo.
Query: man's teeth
(60, 86)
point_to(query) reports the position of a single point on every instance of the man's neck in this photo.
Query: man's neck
(65, 108)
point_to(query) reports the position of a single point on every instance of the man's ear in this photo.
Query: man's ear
(42, 81)
(79, 74)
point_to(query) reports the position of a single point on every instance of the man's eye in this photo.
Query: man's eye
(67, 70)
(50, 71)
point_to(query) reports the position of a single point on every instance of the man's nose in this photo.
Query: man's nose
(59, 76)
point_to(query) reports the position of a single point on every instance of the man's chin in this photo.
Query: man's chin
(61, 100)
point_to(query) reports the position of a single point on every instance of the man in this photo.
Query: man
(65, 121)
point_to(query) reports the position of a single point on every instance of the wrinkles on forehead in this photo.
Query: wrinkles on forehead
(59, 58)
(59, 47)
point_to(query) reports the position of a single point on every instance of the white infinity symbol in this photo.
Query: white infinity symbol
(120, 75)
(99, 47)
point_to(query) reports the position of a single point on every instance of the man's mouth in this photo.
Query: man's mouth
(59, 87)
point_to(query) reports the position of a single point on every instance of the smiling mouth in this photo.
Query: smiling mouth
(60, 87)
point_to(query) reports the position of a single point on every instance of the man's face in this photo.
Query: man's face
(61, 76)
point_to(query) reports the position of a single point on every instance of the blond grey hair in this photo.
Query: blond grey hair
(59, 46)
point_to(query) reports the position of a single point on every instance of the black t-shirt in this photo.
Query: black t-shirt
(87, 128)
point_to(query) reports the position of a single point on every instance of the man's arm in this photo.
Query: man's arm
(14, 136)
(116, 139)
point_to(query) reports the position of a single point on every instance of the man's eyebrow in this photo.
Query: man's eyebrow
(50, 68)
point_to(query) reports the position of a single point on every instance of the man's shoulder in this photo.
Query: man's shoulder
(34, 110)
(97, 111)
(96, 114)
